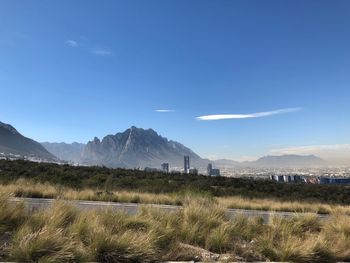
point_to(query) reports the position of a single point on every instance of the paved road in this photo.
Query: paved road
(34, 204)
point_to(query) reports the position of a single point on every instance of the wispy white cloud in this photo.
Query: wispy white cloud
(85, 46)
(71, 43)
(246, 116)
(164, 110)
(102, 52)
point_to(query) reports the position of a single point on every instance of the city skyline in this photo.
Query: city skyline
(228, 79)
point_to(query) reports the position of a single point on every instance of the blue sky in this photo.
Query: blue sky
(72, 70)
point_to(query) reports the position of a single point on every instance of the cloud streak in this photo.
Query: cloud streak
(82, 45)
(71, 43)
(102, 52)
(164, 110)
(214, 117)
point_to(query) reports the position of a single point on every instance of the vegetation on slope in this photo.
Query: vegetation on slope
(156, 182)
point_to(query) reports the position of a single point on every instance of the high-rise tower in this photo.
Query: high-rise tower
(209, 169)
(165, 167)
(186, 164)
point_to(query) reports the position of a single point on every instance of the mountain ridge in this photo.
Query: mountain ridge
(12, 142)
(287, 160)
(275, 161)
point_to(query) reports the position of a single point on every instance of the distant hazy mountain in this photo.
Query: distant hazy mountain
(286, 161)
(65, 151)
(11, 141)
(137, 147)
(226, 163)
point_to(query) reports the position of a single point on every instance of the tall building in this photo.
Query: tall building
(165, 167)
(209, 169)
(186, 164)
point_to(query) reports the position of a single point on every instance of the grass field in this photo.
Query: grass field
(27, 188)
(200, 231)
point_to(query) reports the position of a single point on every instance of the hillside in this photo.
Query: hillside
(12, 142)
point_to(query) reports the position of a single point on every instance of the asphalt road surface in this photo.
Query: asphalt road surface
(34, 204)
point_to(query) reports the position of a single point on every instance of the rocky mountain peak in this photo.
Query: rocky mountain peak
(136, 147)
(96, 140)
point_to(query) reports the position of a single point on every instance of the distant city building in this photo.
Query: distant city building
(215, 172)
(209, 169)
(186, 164)
(151, 170)
(165, 167)
(194, 171)
(289, 179)
(327, 180)
(297, 178)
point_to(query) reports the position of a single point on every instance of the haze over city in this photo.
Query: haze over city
(228, 79)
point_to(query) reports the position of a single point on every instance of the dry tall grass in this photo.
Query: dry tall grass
(275, 205)
(27, 188)
(200, 231)
(10, 215)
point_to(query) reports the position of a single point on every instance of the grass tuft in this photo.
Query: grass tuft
(44, 245)
(11, 215)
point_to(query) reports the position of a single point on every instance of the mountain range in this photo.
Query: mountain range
(135, 147)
